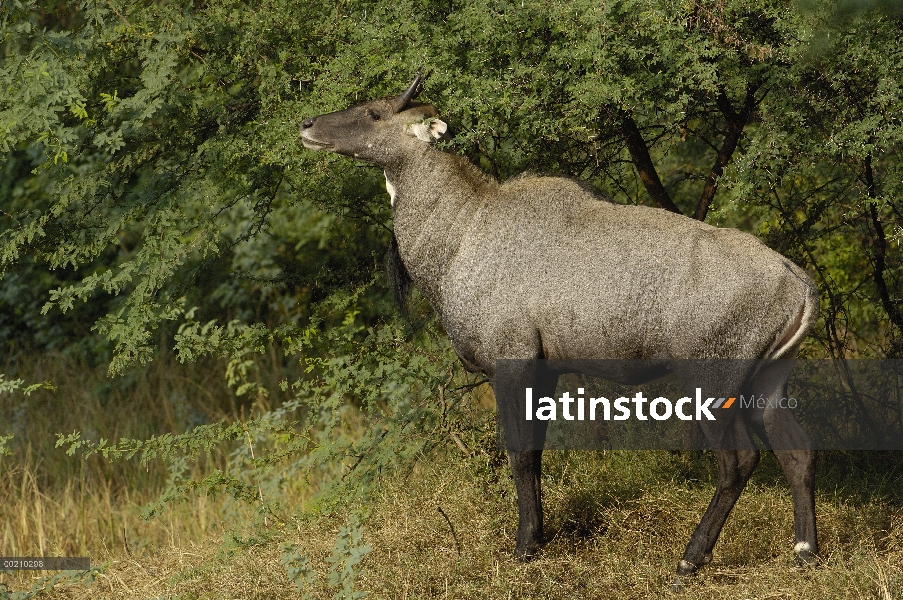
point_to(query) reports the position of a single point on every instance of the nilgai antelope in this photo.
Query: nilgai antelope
(546, 268)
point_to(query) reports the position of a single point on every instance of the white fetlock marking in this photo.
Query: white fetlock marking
(391, 189)
(802, 547)
(685, 564)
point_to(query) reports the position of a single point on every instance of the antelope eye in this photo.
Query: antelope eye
(373, 114)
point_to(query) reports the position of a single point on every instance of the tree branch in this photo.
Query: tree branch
(880, 249)
(643, 163)
(736, 121)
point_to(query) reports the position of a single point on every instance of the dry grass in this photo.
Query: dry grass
(56, 505)
(52, 503)
(617, 523)
(617, 526)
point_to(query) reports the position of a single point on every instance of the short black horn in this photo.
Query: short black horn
(410, 93)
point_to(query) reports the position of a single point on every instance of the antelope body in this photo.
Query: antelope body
(544, 267)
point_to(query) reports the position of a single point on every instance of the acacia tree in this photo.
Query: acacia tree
(151, 156)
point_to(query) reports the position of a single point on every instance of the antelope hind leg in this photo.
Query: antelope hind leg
(795, 452)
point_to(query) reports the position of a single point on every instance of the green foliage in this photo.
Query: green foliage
(297, 567)
(151, 150)
(371, 377)
(45, 585)
(345, 559)
(16, 384)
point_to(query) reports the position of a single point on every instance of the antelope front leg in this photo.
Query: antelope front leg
(524, 441)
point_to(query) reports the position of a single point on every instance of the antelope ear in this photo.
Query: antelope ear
(427, 130)
(437, 128)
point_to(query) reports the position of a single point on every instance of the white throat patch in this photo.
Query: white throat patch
(391, 189)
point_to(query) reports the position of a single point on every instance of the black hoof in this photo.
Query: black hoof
(804, 556)
(686, 571)
(526, 553)
(679, 585)
(685, 568)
